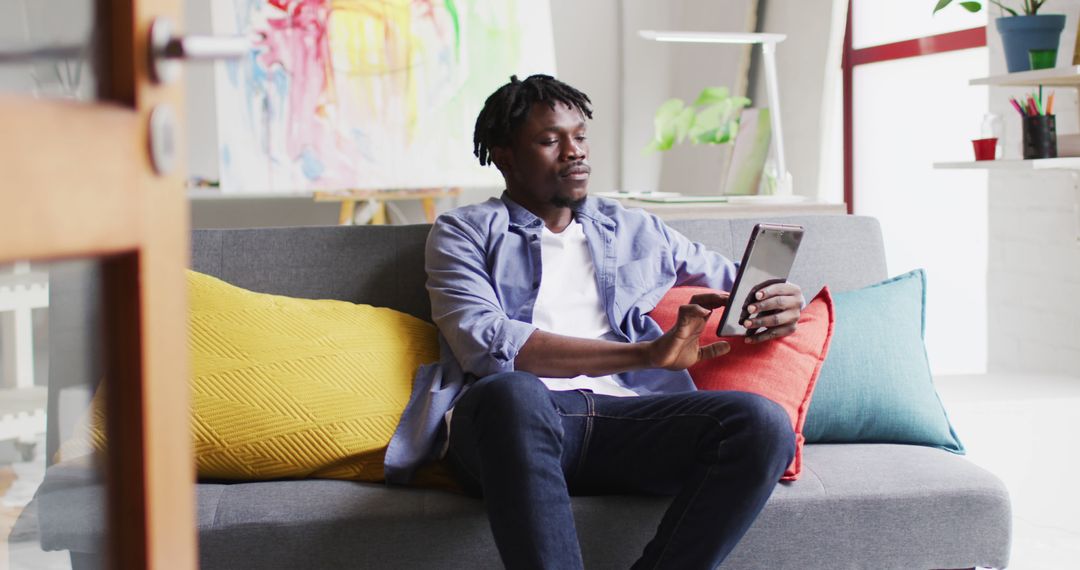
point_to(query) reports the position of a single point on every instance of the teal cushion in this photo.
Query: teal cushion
(875, 384)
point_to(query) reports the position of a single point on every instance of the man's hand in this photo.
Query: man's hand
(777, 308)
(678, 348)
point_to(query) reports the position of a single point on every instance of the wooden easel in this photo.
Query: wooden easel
(375, 211)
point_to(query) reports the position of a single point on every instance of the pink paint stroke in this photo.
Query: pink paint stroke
(297, 42)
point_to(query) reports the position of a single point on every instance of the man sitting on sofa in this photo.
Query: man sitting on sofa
(554, 382)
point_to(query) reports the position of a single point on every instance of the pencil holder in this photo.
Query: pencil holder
(1040, 137)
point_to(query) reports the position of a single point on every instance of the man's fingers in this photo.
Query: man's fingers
(691, 310)
(713, 350)
(710, 300)
(770, 334)
(776, 304)
(778, 290)
(693, 316)
(782, 318)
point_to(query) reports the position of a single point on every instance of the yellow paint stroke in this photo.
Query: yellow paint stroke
(371, 40)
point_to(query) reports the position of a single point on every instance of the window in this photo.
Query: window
(908, 104)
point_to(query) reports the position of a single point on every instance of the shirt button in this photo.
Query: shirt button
(536, 285)
(534, 237)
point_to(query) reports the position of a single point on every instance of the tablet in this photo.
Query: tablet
(768, 259)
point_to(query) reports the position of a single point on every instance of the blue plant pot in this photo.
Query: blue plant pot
(1019, 34)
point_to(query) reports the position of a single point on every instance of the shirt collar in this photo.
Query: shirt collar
(521, 217)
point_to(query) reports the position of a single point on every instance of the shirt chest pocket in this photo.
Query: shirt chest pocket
(641, 274)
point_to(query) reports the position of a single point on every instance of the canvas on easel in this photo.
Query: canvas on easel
(367, 94)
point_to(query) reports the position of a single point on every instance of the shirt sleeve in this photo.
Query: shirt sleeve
(698, 266)
(464, 304)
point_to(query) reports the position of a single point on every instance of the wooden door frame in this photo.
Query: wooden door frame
(79, 184)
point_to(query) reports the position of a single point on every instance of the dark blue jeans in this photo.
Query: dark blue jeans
(527, 450)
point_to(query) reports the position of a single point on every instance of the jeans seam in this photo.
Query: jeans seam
(655, 418)
(682, 517)
(587, 439)
(465, 466)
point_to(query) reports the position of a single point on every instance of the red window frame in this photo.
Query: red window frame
(940, 43)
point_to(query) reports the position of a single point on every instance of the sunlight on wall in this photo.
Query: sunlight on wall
(909, 114)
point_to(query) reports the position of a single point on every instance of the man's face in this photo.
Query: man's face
(547, 162)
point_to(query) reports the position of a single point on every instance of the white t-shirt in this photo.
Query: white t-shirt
(568, 303)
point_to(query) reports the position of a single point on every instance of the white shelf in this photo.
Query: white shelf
(1063, 163)
(1056, 77)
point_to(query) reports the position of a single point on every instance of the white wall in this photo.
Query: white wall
(908, 114)
(587, 57)
(931, 219)
(646, 76)
(1033, 272)
(202, 141)
(700, 169)
(807, 66)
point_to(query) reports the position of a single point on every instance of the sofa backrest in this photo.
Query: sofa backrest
(384, 265)
(376, 265)
(843, 252)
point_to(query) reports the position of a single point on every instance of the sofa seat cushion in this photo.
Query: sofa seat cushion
(856, 506)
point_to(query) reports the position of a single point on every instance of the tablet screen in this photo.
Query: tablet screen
(768, 258)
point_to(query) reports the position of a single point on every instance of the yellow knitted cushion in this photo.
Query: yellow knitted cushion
(292, 388)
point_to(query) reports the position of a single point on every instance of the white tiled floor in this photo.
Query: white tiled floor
(1023, 428)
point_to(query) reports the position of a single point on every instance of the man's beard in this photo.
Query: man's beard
(562, 202)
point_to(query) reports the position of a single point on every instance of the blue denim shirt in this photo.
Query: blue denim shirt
(483, 265)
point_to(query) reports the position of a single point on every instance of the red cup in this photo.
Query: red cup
(985, 149)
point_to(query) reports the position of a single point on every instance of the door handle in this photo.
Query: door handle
(167, 50)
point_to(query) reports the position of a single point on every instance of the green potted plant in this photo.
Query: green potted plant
(1022, 31)
(714, 119)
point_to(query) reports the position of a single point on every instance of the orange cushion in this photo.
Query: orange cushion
(783, 370)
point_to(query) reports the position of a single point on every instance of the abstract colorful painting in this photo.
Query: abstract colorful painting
(370, 94)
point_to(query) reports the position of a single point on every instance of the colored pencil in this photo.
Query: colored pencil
(1050, 104)
(1017, 106)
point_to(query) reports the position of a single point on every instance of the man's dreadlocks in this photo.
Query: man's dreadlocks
(508, 107)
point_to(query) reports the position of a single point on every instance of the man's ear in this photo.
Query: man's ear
(503, 159)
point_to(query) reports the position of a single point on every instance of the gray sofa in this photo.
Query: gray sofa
(856, 505)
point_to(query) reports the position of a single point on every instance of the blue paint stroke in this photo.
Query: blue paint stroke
(232, 69)
(281, 82)
(311, 165)
(364, 145)
(258, 72)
